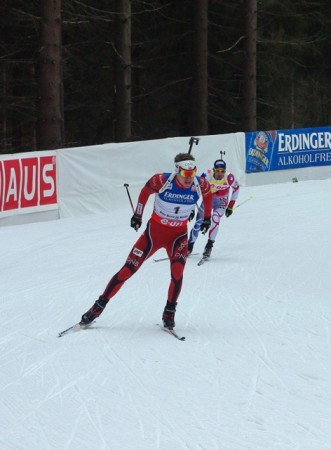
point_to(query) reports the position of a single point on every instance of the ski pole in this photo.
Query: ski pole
(245, 201)
(127, 190)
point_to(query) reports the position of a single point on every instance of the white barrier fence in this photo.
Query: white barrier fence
(48, 185)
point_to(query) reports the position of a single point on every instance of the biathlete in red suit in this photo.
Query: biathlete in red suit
(176, 195)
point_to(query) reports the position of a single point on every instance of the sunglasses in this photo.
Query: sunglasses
(187, 173)
(219, 170)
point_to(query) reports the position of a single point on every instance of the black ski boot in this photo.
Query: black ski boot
(190, 246)
(95, 311)
(168, 316)
(208, 249)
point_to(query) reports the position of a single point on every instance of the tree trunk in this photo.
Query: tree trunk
(4, 124)
(249, 82)
(123, 71)
(198, 113)
(50, 130)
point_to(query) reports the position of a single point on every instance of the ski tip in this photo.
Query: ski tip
(71, 329)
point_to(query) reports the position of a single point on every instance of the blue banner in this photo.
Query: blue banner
(287, 149)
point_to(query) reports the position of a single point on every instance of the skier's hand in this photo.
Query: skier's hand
(191, 217)
(228, 212)
(135, 222)
(205, 225)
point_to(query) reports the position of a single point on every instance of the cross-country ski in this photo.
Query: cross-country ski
(172, 333)
(203, 260)
(73, 328)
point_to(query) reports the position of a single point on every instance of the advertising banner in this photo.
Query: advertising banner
(28, 183)
(287, 149)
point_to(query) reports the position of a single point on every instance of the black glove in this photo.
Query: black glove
(191, 217)
(135, 222)
(205, 225)
(228, 212)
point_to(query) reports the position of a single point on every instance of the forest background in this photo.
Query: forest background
(79, 73)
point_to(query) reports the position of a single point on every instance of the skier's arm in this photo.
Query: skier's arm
(235, 190)
(152, 186)
(207, 196)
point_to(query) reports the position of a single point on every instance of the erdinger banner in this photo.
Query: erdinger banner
(287, 149)
(27, 183)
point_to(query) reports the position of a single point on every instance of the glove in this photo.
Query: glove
(135, 222)
(228, 212)
(205, 225)
(191, 217)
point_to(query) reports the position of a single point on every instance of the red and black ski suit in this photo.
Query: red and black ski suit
(163, 230)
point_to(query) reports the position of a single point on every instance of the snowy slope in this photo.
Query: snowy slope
(253, 373)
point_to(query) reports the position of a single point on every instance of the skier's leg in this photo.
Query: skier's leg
(213, 231)
(141, 250)
(196, 228)
(215, 223)
(177, 255)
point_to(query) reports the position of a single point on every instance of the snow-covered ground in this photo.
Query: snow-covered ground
(253, 374)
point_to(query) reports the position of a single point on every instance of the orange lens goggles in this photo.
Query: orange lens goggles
(219, 170)
(187, 173)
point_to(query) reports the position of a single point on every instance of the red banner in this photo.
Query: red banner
(27, 183)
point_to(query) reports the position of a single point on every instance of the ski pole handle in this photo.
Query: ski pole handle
(127, 190)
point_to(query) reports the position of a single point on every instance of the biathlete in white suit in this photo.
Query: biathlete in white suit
(175, 195)
(221, 183)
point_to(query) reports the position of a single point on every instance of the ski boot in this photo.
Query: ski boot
(208, 249)
(190, 246)
(168, 316)
(94, 311)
